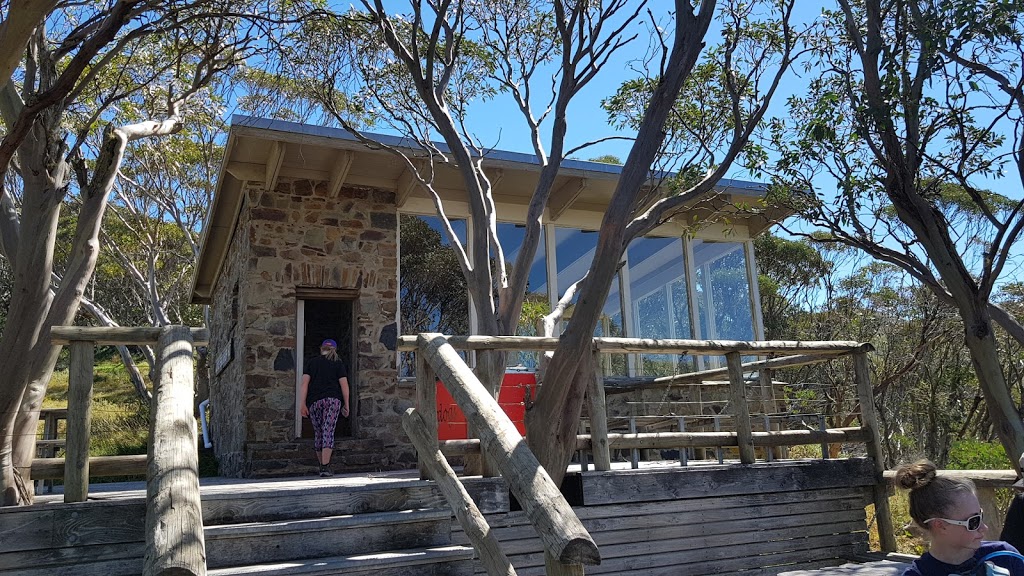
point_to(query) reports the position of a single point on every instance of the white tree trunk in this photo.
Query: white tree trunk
(34, 306)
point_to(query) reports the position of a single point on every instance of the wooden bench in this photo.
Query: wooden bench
(870, 564)
(710, 519)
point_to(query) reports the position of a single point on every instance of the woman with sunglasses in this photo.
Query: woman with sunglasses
(948, 512)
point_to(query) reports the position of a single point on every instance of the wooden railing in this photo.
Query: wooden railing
(174, 521)
(566, 542)
(600, 442)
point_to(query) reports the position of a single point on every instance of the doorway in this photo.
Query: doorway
(318, 320)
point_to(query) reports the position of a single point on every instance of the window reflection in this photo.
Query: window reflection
(536, 304)
(574, 251)
(659, 301)
(723, 291)
(434, 295)
(433, 292)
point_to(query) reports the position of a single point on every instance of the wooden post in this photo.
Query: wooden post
(683, 460)
(599, 421)
(466, 511)
(80, 375)
(552, 567)
(862, 375)
(769, 406)
(634, 454)
(718, 427)
(825, 451)
(426, 401)
(560, 531)
(740, 410)
(174, 519)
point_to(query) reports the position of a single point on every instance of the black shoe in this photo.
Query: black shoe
(325, 472)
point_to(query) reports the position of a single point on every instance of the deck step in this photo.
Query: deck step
(304, 498)
(259, 542)
(433, 561)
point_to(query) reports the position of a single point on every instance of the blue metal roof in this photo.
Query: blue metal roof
(491, 153)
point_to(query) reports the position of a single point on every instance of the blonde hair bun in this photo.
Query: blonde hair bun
(916, 475)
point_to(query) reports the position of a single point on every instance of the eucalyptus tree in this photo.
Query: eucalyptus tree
(790, 274)
(420, 73)
(150, 239)
(758, 48)
(893, 117)
(94, 78)
(18, 22)
(923, 386)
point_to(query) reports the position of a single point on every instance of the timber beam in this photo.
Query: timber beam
(117, 336)
(565, 196)
(255, 172)
(609, 345)
(342, 165)
(274, 161)
(494, 176)
(99, 466)
(672, 440)
(407, 183)
(563, 535)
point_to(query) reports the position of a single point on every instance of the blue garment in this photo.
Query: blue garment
(928, 565)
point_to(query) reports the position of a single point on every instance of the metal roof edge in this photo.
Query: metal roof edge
(287, 126)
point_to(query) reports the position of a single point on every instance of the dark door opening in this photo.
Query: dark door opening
(331, 319)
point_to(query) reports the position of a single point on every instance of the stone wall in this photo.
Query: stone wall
(298, 237)
(227, 365)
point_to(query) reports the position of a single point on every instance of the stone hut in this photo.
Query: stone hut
(302, 242)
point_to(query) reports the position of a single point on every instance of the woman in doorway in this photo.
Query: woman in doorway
(948, 512)
(324, 395)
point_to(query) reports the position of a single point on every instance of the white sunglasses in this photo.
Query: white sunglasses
(972, 523)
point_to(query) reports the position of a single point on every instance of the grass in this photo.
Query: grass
(907, 540)
(120, 419)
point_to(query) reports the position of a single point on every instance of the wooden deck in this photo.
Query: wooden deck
(786, 517)
(219, 486)
(871, 568)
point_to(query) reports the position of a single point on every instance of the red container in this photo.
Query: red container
(516, 387)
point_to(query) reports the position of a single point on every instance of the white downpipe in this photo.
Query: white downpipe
(205, 423)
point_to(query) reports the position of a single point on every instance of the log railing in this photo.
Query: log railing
(566, 542)
(174, 526)
(600, 442)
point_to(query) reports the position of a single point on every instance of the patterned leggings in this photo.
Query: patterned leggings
(324, 416)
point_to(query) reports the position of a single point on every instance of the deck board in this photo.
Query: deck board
(878, 568)
(662, 520)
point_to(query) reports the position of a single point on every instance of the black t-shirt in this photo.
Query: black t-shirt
(324, 375)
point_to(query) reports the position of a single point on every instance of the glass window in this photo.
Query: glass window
(574, 250)
(536, 304)
(659, 301)
(433, 292)
(723, 291)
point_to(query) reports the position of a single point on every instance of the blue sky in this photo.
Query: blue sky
(499, 123)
